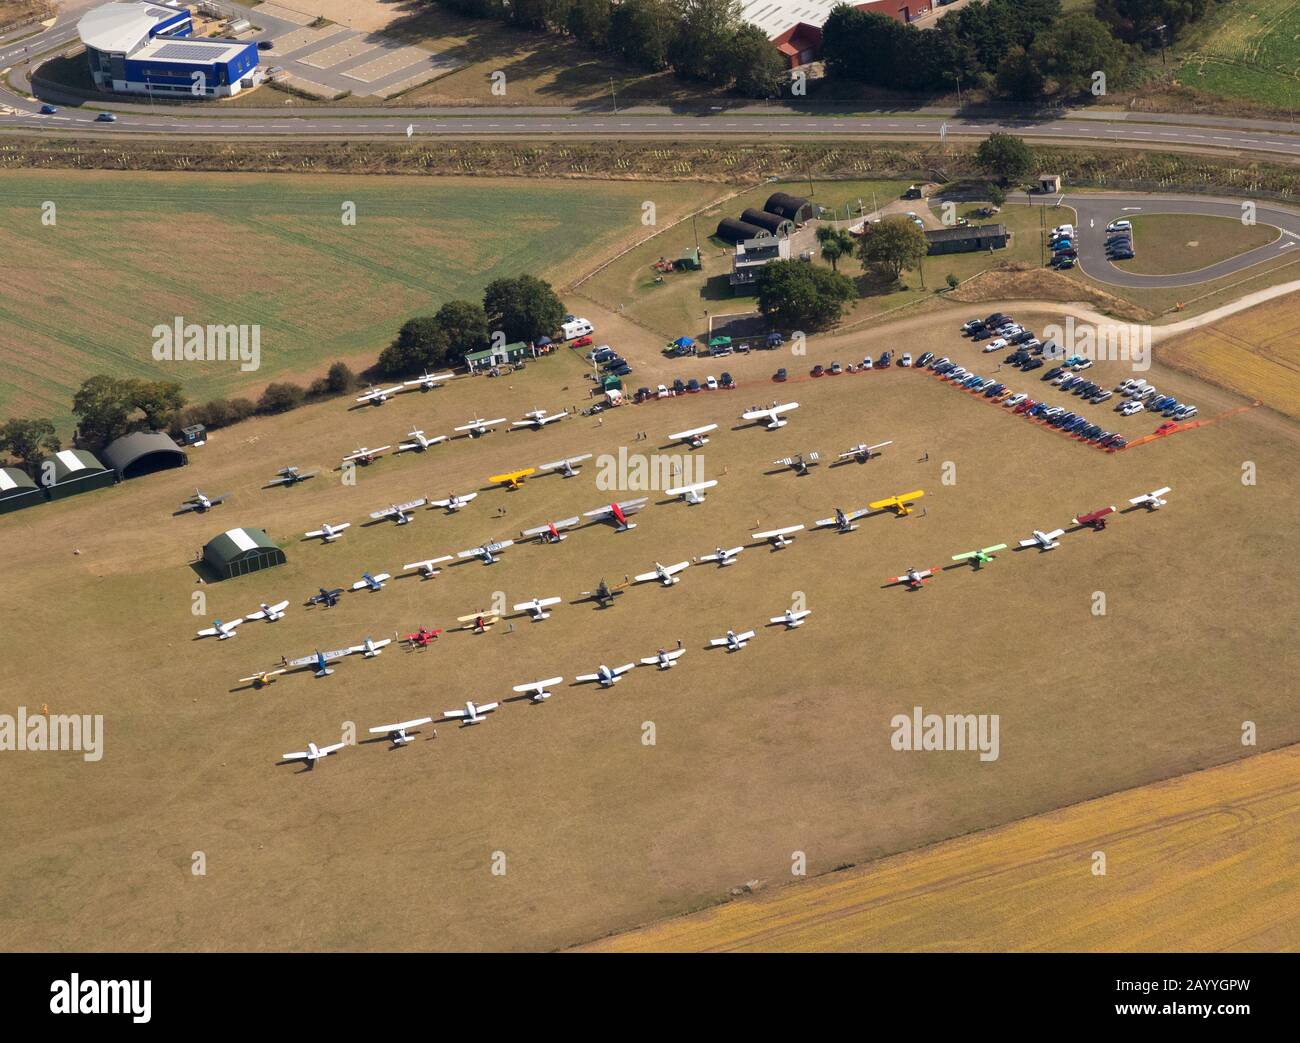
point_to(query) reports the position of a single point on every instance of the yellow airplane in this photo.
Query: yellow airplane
(477, 620)
(899, 504)
(262, 678)
(512, 479)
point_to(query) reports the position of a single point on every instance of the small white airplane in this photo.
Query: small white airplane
(472, 714)
(221, 630)
(269, 612)
(364, 455)
(199, 502)
(862, 453)
(695, 437)
(800, 463)
(454, 502)
(327, 533)
(319, 661)
(427, 381)
(399, 733)
(779, 538)
(488, 552)
(733, 642)
(537, 607)
(428, 567)
(419, 443)
(550, 532)
(370, 647)
(664, 659)
(1153, 501)
(538, 419)
(399, 512)
(723, 555)
(771, 418)
(791, 618)
(605, 676)
(619, 512)
(843, 522)
(537, 690)
(479, 427)
(692, 493)
(665, 574)
(373, 583)
(378, 396)
(313, 753)
(565, 468)
(1044, 540)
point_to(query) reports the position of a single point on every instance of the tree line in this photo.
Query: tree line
(705, 41)
(522, 308)
(1024, 50)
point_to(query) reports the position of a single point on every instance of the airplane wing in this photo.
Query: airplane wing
(602, 512)
(879, 445)
(560, 463)
(618, 671)
(631, 506)
(777, 532)
(1161, 492)
(194, 507)
(717, 642)
(534, 686)
(455, 713)
(384, 729)
(325, 751)
(694, 432)
(1055, 534)
(746, 636)
(468, 496)
(428, 563)
(1031, 542)
(380, 577)
(547, 602)
(682, 490)
(361, 584)
(855, 515)
(645, 577)
(757, 414)
(386, 512)
(584, 678)
(541, 530)
(681, 566)
(725, 554)
(488, 707)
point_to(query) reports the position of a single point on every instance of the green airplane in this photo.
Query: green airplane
(979, 558)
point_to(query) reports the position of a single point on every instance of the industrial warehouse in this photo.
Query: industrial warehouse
(143, 48)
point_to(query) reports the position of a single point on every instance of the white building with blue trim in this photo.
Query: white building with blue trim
(149, 48)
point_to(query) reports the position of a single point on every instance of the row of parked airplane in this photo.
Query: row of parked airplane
(401, 733)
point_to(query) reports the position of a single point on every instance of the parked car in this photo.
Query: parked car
(836, 369)
(818, 370)
(971, 324)
(884, 360)
(727, 382)
(996, 345)
(905, 359)
(692, 386)
(1033, 364)
(866, 363)
(581, 342)
(1185, 412)
(1015, 400)
(1102, 395)
(1024, 406)
(924, 360)
(994, 391)
(711, 383)
(780, 376)
(678, 387)
(939, 362)
(1054, 372)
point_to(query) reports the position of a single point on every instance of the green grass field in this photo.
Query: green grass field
(128, 252)
(1248, 49)
(1173, 243)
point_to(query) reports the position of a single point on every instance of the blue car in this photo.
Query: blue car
(970, 382)
(48, 109)
(1078, 425)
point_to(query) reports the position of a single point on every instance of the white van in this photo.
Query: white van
(577, 328)
(1120, 226)
(1063, 230)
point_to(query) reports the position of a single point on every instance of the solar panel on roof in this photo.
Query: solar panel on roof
(184, 52)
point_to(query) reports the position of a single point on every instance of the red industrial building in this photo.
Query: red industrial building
(795, 26)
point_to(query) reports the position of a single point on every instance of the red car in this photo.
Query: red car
(1025, 406)
(583, 342)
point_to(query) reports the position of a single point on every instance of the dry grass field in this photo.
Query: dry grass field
(1200, 863)
(1255, 354)
(781, 748)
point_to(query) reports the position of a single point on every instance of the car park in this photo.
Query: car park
(1016, 399)
(711, 383)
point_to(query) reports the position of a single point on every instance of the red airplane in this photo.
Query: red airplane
(422, 638)
(1096, 520)
(619, 513)
(913, 579)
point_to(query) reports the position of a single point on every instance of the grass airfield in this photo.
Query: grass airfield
(781, 748)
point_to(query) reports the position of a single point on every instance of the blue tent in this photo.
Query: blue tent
(541, 342)
(684, 342)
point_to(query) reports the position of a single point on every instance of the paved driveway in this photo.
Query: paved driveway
(1095, 211)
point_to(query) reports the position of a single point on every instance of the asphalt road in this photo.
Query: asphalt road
(1095, 211)
(1204, 134)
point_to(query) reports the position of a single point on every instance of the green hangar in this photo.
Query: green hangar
(72, 471)
(17, 490)
(238, 552)
(143, 452)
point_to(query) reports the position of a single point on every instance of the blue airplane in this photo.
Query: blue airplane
(375, 582)
(326, 597)
(318, 660)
